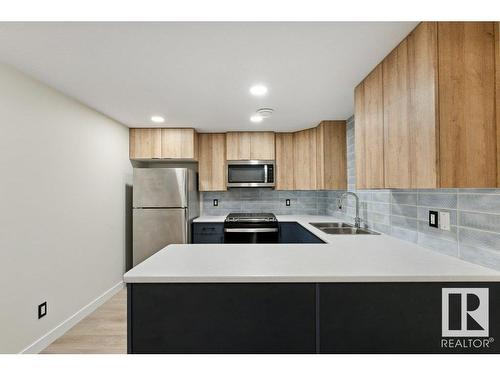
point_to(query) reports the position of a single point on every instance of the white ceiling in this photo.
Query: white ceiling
(198, 74)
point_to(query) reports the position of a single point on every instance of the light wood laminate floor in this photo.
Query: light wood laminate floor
(103, 331)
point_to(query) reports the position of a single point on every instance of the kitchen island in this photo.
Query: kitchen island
(352, 294)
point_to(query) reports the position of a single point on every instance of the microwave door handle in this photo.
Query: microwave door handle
(265, 173)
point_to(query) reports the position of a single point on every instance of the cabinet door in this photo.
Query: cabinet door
(262, 146)
(497, 91)
(245, 318)
(250, 146)
(208, 233)
(331, 152)
(145, 143)
(369, 133)
(359, 135)
(422, 70)
(284, 161)
(179, 144)
(304, 156)
(397, 140)
(238, 145)
(212, 162)
(467, 148)
(296, 233)
(288, 233)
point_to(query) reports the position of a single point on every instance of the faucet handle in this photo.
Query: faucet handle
(357, 222)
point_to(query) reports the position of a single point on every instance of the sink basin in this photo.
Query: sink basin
(351, 230)
(331, 225)
(341, 228)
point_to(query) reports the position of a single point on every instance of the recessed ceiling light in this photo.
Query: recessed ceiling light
(157, 119)
(256, 118)
(258, 90)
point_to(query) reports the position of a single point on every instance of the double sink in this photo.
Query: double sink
(341, 228)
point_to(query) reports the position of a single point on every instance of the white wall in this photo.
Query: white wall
(63, 175)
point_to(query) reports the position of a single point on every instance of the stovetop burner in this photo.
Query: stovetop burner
(250, 217)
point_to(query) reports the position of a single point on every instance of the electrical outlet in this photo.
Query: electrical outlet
(434, 219)
(216, 202)
(444, 221)
(42, 310)
(287, 202)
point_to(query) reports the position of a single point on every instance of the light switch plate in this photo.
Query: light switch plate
(444, 220)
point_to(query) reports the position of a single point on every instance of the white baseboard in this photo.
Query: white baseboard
(62, 328)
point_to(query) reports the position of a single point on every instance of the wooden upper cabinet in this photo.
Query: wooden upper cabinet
(284, 162)
(145, 143)
(163, 143)
(397, 124)
(359, 135)
(331, 155)
(438, 110)
(238, 145)
(497, 96)
(212, 169)
(250, 146)
(410, 123)
(262, 146)
(423, 114)
(369, 132)
(304, 159)
(467, 123)
(179, 144)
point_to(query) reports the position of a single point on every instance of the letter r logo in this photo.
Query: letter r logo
(465, 312)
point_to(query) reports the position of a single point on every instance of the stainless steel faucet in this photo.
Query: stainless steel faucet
(357, 219)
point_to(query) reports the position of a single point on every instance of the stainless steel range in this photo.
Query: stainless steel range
(251, 228)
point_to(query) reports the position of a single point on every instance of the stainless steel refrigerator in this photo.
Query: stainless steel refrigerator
(165, 201)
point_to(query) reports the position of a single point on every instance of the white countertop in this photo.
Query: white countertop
(344, 258)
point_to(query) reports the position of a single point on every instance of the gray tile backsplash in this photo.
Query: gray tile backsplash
(267, 200)
(474, 216)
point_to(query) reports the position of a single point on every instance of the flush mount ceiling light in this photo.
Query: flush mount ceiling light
(261, 114)
(265, 112)
(258, 90)
(256, 118)
(157, 119)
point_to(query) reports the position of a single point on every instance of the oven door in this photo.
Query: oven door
(251, 235)
(249, 173)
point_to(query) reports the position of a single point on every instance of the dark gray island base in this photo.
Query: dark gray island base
(354, 317)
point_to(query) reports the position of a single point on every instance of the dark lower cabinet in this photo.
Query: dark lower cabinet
(208, 233)
(401, 318)
(222, 318)
(292, 232)
(407, 317)
(289, 232)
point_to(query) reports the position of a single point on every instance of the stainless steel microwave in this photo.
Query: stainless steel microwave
(250, 173)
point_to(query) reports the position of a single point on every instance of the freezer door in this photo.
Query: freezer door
(160, 187)
(155, 228)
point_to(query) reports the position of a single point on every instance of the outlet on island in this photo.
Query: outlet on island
(287, 202)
